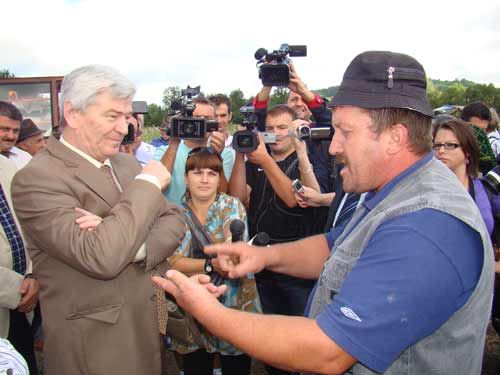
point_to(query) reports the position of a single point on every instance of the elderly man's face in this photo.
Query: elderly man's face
(33, 145)
(9, 131)
(101, 128)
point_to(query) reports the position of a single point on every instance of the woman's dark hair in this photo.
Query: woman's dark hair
(204, 157)
(467, 140)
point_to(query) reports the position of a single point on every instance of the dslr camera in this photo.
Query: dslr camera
(138, 107)
(247, 140)
(273, 66)
(186, 126)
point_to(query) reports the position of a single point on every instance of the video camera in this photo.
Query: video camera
(138, 107)
(186, 126)
(247, 140)
(273, 66)
(305, 132)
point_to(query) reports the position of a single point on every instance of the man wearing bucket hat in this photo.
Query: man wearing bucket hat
(407, 286)
(30, 137)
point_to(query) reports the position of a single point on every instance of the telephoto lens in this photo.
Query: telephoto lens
(492, 180)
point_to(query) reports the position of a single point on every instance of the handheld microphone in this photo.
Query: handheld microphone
(260, 239)
(237, 228)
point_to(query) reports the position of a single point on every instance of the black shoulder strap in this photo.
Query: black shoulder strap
(199, 236)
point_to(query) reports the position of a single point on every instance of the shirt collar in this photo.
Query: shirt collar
(89, 158)
(373, 197)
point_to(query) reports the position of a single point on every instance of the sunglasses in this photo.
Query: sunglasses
(447, 146)
(208, 150)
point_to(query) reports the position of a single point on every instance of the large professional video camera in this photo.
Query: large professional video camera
(273, 66)
(138, 108)
(186, 126)
(247, 140)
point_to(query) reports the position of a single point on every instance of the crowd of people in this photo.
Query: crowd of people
(382, 261)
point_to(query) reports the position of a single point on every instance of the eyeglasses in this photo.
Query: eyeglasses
(208, 150)
(447, 146)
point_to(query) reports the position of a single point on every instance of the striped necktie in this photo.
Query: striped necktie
(106, 169)
(347, 209)
(13, 235)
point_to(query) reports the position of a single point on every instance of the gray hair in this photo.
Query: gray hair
(82, 85)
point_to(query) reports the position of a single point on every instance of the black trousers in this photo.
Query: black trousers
(21, 338)
(201, 362)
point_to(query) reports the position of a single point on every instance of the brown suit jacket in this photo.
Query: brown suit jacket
(98, 308)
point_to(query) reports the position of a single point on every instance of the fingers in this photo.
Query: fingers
(82, 211)
(223, 248)
(166, 285)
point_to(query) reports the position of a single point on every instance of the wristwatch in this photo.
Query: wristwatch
(208, 266)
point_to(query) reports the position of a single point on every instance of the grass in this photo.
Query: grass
(149, 133)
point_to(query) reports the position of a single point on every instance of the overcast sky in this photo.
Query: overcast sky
(211, 43)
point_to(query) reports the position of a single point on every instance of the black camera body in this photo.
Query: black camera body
(138, 107)
(186, 126)
(130, 137)
(192, 127)
(247, 140)
(273, 66)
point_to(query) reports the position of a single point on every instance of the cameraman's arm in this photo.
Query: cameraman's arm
(168, 158)
(260, 104)
(322, 115)
(238, 182)
(217, 142)
(281, 184)
(307, 176)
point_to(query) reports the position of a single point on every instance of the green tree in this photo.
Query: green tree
(5, 73)
(170, 94)
(279, 96)
(453, 94)
(154, 117)
(237, 101)
(487, 93)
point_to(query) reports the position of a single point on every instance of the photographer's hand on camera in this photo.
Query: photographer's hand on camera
(297, 85)
(217, 141)
(157, 169)
(260, 156)
(307, 176)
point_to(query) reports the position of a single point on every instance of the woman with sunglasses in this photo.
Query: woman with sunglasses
(215, 211)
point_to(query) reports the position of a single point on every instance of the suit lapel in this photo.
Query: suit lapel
(122, 171)
(85, 171)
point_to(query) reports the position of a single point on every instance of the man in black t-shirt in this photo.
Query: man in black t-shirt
(264, 182)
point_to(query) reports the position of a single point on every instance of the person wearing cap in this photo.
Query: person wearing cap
(407, 286)
(10, 123)
(30, 138)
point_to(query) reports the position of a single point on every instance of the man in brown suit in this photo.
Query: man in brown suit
(98, 303)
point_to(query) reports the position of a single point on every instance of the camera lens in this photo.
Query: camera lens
(188, 128)
(245, 140)
(492, 180)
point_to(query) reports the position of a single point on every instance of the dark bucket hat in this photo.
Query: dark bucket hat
(28, 130)
(382, 79)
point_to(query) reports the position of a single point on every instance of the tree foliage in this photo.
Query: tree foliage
(170, 94)
(5, 73)
(154, 117)
(279, 96)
